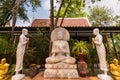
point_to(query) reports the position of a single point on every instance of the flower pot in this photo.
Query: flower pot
(82, 68)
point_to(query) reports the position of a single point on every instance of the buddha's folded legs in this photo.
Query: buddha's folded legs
(53, 60)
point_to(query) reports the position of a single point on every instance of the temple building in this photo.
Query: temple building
(68, 22)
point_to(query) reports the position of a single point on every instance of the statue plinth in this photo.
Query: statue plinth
(18, 77)
(61, 70)
(104, 77)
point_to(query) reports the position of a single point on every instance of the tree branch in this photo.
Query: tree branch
(65, 12)
(57, 17)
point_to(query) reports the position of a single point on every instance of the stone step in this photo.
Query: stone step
(39, 76)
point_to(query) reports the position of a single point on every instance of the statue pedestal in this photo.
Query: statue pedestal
(18, 77)
(61, 70)
(104, 77)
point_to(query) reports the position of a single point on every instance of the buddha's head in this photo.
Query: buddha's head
(60, 35)
(96, 31)
(115, 61)
(3, 61)
(24, 31)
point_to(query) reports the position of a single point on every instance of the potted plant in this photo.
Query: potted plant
(80, 48)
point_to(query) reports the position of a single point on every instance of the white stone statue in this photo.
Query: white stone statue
(23, 40)
(98, 41)
(60, 64)
(60, 51)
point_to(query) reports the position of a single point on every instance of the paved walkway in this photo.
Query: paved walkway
(39, 76)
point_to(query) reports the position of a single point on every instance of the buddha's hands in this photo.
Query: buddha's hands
(53, 54)
(67, 54)
(93, 40)
(27, 39)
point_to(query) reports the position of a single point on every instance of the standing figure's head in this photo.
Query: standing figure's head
(24, 31)
(96, 31)
(115, 61)
(60, 35)
(3, 61)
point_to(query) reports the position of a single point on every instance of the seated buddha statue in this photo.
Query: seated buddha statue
(60, 48)
(60, 64)
(115, 70)
(3, 68)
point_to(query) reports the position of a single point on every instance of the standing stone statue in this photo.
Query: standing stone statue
(60, 64)
(98, 41)
(23, 40)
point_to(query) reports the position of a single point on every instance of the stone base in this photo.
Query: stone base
(61, 73)
(104, 77)
(18, 77)
(60, 66)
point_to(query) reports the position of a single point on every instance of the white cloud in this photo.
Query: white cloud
(22, 23)
(46, 4)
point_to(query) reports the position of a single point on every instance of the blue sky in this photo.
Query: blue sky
(43, 12)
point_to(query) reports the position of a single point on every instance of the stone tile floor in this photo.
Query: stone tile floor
(39, 76)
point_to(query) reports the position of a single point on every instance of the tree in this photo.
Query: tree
(37, 51)
(7, 7)
(70, 8)
(93, 1)
(117, 20)
(112, 46)
(11, 9)
(101, 16)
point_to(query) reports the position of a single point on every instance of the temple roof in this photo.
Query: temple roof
(71, 22)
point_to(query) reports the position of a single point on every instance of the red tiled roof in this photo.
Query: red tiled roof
(68, 22)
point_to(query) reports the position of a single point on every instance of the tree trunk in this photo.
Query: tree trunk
(58, 14)
(13, 26)
(65, 12)
(14, 13)
(51, 22)
(51, 15)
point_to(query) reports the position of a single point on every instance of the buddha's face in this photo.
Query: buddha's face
(60, 36)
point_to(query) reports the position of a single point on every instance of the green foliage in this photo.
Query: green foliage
(10, 73)
(93, 1)
(38, 49)
(109, 45)
(92, 57)
(100, 16)
(3, 44)
(7, 50)
(117, 20)
(115, 46)
(71, 44)
(75, 9)
(6, 7)
(116, 38)
(35, 3)
(118, 23)
(5, 47)
(80, 47)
